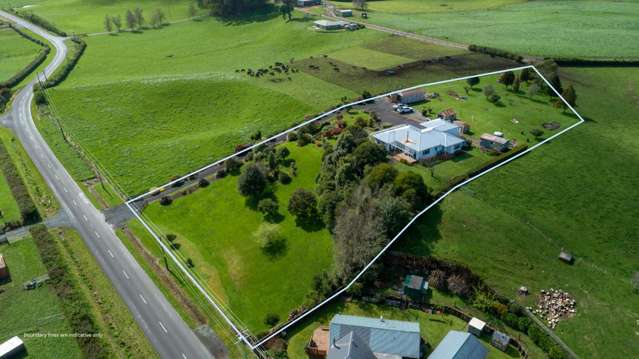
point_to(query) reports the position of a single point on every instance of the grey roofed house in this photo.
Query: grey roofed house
(411, 96)
(459, 345)
(386, 338)
(330, 25)
(350, 346)
(435, 138)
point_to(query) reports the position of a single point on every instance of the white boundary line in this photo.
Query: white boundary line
(218, 307)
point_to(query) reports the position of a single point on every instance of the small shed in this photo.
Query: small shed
(4, 270)
(476, 326)
(307, 3)
(11, 348)
(329, 25)
(566, 257)
(465, 127)
(500, 340)
(448, 114)
(412, 96)
(458, 345)
(318, 345)
(415, 287)
(345, 12)
(490, 141)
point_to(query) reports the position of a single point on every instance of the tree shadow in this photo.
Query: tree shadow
(310, 224)
(274, 218)
(276, 248)
(422, 236)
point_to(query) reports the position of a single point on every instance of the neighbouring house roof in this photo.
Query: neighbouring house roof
(448, 112)
(493, 138)
(415, 282)
(350, 346)
(440, 125)
(10, 346)
(320, 338)
(477, 323)
(459, 345)
(501, 338)
(381, 335)
(417, 139)
(412, 93)
(328, 23)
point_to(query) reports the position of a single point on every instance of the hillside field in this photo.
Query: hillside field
(592, 29)
(16, 52)
(574, 193)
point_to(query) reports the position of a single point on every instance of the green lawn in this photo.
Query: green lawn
(16, 53)
(574, 193)
(547, 27)
(372, 59)
(433, 327)
(216, 229)
(515, 116)
(9, 210)
(34, 311)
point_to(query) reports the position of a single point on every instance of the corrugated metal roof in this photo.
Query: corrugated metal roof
(417, 139)
(459, 345)
(382, 335)
(350, 346)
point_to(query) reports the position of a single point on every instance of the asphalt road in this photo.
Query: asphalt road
(167, 332)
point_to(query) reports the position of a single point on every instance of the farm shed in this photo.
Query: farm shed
(412, 96)
(4, 270)
(11, 347)
(459, 345)
(382, 336)
(448, 114)
(566, 257)
(490, 141)
(476, 326)
(306, 3)
(415, 287)
(329, 25)
(345, 13)
(500, 340)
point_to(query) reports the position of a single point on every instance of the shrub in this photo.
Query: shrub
(268, 207)
(166, 200)
(437, 279)
(252, 181)
(494, 98)
(271, 319)
(189, 262)
(270, 239)
(303, 204)
(171, 237)
(203, 182)
(536, 132)
(459, 286)
(232, 165)
(284, 178)
(292, 136)
(304, 139)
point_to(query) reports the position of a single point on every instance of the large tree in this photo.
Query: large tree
(507, 78)
(252, 181)
(131, 21)
(472, 81)
(570, 95)
(233, 8)
(108, 24)
(303, 204)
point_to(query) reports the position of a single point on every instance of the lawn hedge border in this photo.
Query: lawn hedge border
(27, 70)
(496, 52)
(28, 209)
(42, 22)
(62, 72)
(74, 303)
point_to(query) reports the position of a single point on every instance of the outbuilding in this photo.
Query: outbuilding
(459, 345)
(500, 340)
(476, 326)
(4, 270)
(11, 348)
(329, 25)
(345, 12)
(490, 141)
(412, 96)
(415, 287)
(448, 114)
(566, 257)
(307, 3)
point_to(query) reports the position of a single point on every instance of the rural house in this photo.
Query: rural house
(412, 96)
(11, 348)
(329, 25)
(493, 142)
(459, 345)
(415, 287)
(383, 337)
(434, 138)
(344, 13)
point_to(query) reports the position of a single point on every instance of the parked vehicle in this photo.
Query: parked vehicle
(405, 109)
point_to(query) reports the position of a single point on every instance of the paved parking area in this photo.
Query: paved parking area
(383, 107)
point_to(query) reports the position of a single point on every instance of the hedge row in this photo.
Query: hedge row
(61, 73)
(22, 74)
(564, 61)
(28, 209)
(74, 303)
(496, 52)
(33, 18)
(28, 36)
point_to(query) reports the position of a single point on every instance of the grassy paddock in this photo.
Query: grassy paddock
(16, 52)
(572, 194)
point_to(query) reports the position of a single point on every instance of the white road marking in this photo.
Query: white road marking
(144, 301)
(125, 274)
(96, 234)
(163, 328)
(110, 253)
(49, 165)
(57, 177)
(183, 355)
(65, 189)
(75, 203)
(85, 218)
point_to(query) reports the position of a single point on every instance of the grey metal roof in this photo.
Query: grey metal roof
(500, 337)
(459, 345)
(418, 139)
(350, 346)
(381, 335)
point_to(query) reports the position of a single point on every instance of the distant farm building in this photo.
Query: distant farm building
(344, 13)
(489, 141)
(476, 326)
(436, 137)
(4, 270)
(330, 25)
(378, 336)
(500, 340)
(412, 96)
(459, 345)
(11, 348)
(566, 257)
(415, 287)
(307, 3)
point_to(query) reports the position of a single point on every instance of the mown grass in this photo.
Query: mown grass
(409, 7)
(33, 311)
(574, 193)
(16, 52)
(549, 28)
(216, 230)
(9, 211)
(433, 327)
